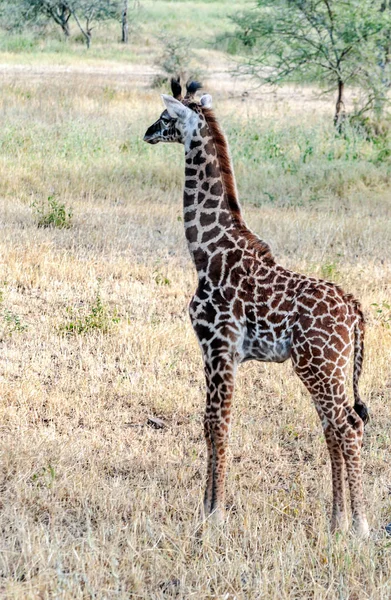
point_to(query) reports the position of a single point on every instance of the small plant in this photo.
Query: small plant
(98, 317)
(307, 151)
(52, 213)
(329, 270)
(9, 322)
(12, 322)
(1, 295)
(44, 478)
(382, 313)
(161, 279)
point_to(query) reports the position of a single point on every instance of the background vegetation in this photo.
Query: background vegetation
(98, 498)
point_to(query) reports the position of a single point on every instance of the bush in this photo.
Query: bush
(98, 317)
(52, 213)
(176, 60)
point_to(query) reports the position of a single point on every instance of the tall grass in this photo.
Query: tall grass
(95, 503)
(93, 136)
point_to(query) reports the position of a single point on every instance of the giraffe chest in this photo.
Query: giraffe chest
(267, 345)
(268, 329)
(252, 327)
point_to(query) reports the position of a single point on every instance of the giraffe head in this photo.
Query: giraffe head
(178, 121)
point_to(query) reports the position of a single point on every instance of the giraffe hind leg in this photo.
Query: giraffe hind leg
(351, 442)
(343, 431)
(339, 519)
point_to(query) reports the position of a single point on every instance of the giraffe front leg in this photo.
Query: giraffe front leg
(220, 382)
(217, 442)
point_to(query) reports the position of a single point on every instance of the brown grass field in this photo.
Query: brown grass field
(96, 503)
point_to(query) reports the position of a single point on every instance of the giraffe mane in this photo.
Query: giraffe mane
(229, 184)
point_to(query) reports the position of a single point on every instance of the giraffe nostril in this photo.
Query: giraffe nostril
(150, 139)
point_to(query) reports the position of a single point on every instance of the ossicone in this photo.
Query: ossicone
(176, 88)
(191, 88)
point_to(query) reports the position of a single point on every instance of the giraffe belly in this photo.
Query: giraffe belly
(266, 348)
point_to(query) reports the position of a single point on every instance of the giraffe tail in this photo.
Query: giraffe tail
(359, 330)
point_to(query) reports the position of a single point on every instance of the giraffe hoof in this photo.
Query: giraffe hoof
(340, 526)
(217, 517)
(361, 529)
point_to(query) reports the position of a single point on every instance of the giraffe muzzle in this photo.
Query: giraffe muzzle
(150, 139)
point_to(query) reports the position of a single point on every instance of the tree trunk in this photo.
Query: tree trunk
(61, 16)
(125, 27)
(87, 32)
(66, 29)
(340, 113)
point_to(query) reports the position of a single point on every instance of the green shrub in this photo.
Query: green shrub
(52, 213)
(97, 317)
(177, 59)
(382, 312)
(9, 321)
(329, 271)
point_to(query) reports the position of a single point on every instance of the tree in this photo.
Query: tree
(176, 58)
(125, 27)
(86, 13)
(58, 11)
(33, 11)
(332, 42)
(89, 12)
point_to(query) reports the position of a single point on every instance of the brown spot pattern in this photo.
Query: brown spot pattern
(248, 307)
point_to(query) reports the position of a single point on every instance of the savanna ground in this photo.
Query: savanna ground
(95, 336)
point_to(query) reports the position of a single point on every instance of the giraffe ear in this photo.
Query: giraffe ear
(206, 101)
(175, 109)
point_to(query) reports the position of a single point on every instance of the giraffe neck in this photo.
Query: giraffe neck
(212, 213)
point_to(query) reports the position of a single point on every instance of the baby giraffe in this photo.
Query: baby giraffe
(248, 307)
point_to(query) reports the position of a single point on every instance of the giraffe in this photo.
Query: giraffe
(248, 307)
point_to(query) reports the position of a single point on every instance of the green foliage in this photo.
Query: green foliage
(45, 478)
(330, 42)
(229, 43)
(161, 279)
(148, 21)
(19, 43)
(52, 213)
(13, 323)
(38, 13)
(96, 317)
(329, 271)
(177, 59)
(87, 13)
(288, 163)
(382, 312)
(10, 322)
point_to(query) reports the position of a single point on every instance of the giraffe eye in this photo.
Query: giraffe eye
(168, 121)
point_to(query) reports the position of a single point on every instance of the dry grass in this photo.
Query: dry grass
(94, 502)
